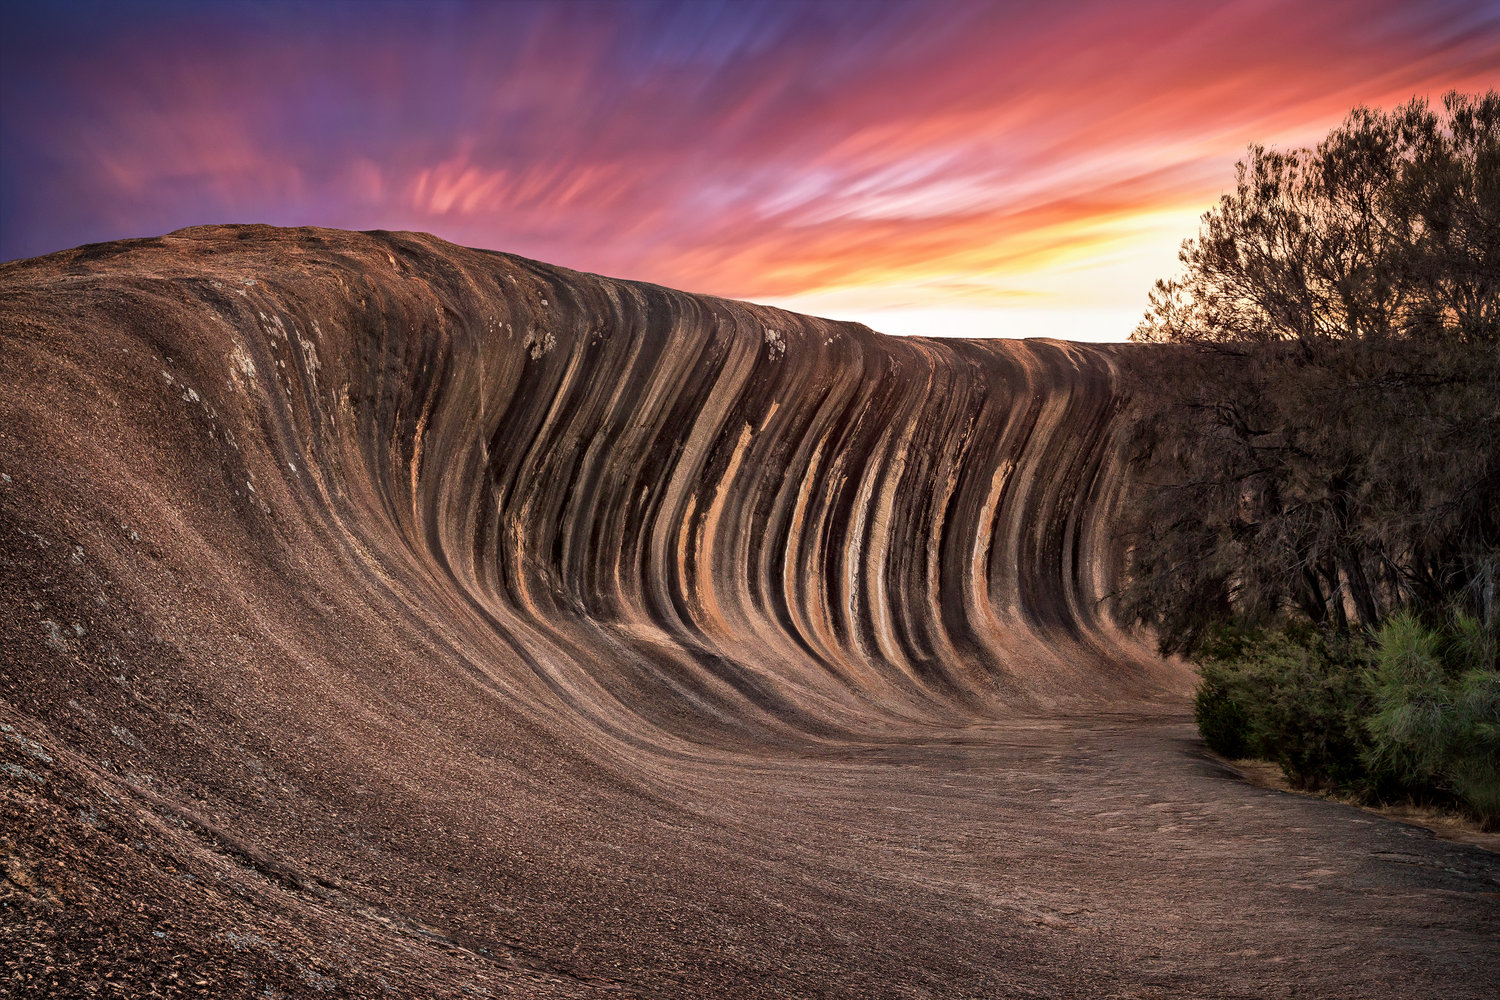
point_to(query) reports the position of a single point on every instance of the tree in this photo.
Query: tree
(1318, 432)
(1389, 227)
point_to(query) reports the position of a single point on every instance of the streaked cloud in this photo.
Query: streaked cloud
(897, 159)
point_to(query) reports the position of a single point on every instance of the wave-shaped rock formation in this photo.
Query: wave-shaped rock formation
(383, 615)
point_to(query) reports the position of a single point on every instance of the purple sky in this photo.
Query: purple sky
(960, 167)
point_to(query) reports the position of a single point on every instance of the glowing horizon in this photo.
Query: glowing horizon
(995, 170)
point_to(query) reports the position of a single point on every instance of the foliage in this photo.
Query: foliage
(1315, 454)
(1295, 697)
(1336, 483)
(1413, 714)
(1387, 228)
(1436, 725)
(1474, 763)
(1319, 431)
(1228, 693)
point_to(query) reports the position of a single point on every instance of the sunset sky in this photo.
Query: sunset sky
(981, 169)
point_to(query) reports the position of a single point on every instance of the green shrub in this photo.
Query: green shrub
(1417, 714)
(1474, 762)
(1315, 711)
(1412, 722)
(1222, 708)
(1295, 698)
(1470, 645)
(1436, 724)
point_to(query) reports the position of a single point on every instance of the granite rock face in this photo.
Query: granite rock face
(670, 514)
(384, 615)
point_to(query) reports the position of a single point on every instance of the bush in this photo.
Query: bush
(1222, 708)
(1413, 718)
(1315, 713)
(1416, 715)
(1296, 698)
(1436, 724)
(1474, 763)
(1229, 693)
